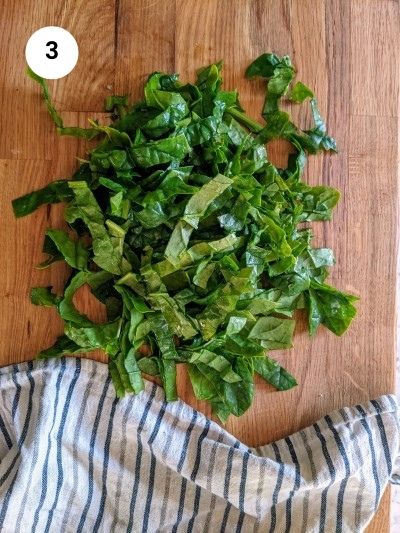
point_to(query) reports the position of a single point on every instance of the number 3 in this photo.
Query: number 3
(53, 49)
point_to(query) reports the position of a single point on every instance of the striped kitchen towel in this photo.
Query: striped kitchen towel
(74, 458)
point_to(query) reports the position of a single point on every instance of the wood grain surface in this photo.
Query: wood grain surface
(347, 51)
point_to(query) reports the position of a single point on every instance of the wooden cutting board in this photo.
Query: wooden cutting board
(347, 51)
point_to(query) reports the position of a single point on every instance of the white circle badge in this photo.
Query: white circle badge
(51, 52)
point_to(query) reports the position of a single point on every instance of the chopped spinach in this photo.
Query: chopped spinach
(190, 236)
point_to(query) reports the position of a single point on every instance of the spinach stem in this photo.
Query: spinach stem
(244, 119)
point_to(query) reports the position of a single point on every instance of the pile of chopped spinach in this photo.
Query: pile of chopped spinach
(193, 240)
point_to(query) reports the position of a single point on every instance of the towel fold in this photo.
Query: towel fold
(75, 458)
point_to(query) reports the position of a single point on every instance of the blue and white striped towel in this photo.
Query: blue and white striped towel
(73, 458)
